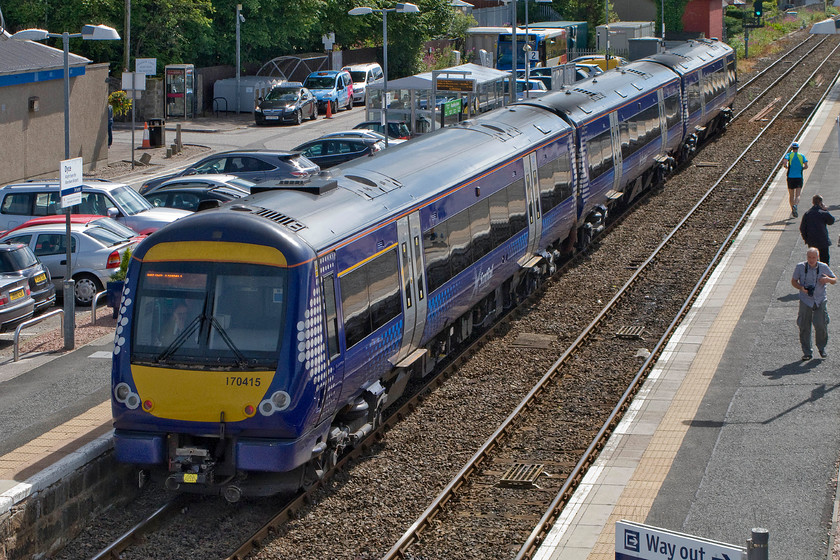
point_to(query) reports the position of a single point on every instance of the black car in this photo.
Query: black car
(198, 191)
(254, 165)
(287, 102)
(328, 152)
(396, 129)
(17, 260)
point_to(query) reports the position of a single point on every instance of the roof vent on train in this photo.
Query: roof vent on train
(593, 95)
(370, 188)
(318, 186)
(280, 218)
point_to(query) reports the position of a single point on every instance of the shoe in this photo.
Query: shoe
(823, 354)
(806, 357)
(795, 213)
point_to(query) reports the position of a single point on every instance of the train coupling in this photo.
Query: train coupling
(190, 465)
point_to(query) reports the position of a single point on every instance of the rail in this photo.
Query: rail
(93, 303)
(35, 321)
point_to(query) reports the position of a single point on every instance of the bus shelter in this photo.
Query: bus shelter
(458, 92)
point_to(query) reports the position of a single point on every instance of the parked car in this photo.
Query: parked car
(253, 165)
(287, 102)
(534, 86)
(191, 193)
(584, 71)
(396, 129)
(96, 253)
(17, 260)
(362, 75)
(328, 152)
(331, 86)
(361, 133)
(102, 221)
(20, 202)
(16, 303)
(600, 60)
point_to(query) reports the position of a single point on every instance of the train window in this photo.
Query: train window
(384, 280)
(628, 144)
(328, 289)
(600, 155)
(555, 182)
(499, 221)
(480, 228)
(356, 306)
(436, 253)
(517, 206)
(672, 110)
(693, 93)
(459, 241)
(261, 295)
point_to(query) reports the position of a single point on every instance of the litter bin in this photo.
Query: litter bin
(157, 134)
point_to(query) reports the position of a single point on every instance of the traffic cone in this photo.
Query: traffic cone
(146, 142)
(329, 110)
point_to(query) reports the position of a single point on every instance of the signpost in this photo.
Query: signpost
(634, 541)
(133, 82)
(70, 189)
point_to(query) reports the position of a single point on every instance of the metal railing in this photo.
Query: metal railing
(35, 321)
(93, 303)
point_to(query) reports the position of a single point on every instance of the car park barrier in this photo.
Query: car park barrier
(93, 303)
(35, 321)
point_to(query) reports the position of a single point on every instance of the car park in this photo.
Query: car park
(333, 87)
(396, 129)
(363, 75)
(96, 253)
(328, 152)
(287, 102)
(361, 133)
(17, 260)
(16, 303)
(253, 165)
(20, 202)
(196, 192)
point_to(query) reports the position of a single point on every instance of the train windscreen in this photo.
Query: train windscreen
(213, 314)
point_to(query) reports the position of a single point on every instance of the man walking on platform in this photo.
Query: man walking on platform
(814, 227)
(795, 163)
(810, 278)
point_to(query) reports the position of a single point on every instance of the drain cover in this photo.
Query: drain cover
(521, 474)
(630, 332)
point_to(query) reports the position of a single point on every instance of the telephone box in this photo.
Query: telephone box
(180, 91)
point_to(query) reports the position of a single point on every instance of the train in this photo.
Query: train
(257, 341)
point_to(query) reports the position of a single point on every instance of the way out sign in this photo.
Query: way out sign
(70, 182)
(634, 541)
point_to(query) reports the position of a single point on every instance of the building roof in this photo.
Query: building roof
(481, 74)
(24, 57)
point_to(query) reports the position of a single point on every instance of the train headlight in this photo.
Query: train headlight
(122, 391)
(133, 401)
(281, 400)
(123, 394)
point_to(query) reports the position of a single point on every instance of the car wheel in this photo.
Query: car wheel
(86, 287)
(349, 103)
(314, 114)
(333, 107)
(298, 116)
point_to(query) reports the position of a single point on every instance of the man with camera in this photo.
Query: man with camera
(814, 227)
(810, 278)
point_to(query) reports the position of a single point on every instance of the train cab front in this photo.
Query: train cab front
(207, 388)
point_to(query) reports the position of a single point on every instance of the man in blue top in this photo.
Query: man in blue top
(795, 163)
(810, 278)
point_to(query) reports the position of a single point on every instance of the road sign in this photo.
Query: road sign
(634, 541)
(70, 182)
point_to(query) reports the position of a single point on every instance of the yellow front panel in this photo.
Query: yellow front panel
(216, 251)
(200, 396)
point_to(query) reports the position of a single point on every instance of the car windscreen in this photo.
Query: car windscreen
(17, 259)
(320, 82)
(115, 226)
(288, 95)
(106, 236)
(130, 202)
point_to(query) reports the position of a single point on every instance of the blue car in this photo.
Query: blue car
(331, 86)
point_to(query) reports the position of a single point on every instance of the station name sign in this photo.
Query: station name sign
(454, 84)
(634, 541)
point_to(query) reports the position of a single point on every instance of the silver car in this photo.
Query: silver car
(96, 253)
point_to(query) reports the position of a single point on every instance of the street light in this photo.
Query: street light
(402, 8)
(239, 19)
(89, 33)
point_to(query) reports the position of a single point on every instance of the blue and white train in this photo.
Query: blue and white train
(258, 340)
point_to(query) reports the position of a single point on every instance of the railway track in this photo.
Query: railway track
(369, 520)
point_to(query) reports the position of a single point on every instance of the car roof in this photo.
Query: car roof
(203, 178)
(41, 183)
(268, 153)
(38, 228)
(8, 247)
(363, 66)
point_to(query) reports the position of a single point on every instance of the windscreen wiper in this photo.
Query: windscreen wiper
(240, 358)
(181, 338)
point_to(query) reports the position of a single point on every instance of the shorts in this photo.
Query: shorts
(794, 182)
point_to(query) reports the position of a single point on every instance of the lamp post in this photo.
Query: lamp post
(239, 19)
(402, 8)
(89, 32)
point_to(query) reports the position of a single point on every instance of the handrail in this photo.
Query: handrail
(93, 303)
(35, 321)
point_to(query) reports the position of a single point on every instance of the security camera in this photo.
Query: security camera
(241, 18)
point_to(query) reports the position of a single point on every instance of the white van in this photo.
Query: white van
(362, 75)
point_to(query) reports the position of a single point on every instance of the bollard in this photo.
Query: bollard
(757, 545)
(178, 139)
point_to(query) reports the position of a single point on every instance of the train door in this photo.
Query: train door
(532, 190)
(331, 389)
(414, 283)
(616, 149)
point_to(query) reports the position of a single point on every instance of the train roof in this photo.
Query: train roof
(691, 55)
(588, 99)
(349, 198)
